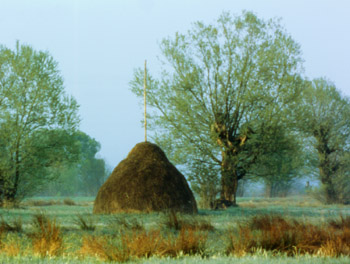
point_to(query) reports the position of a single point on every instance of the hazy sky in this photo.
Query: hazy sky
(99, 43)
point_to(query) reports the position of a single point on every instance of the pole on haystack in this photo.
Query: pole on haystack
(144, 98)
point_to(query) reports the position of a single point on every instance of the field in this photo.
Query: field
(63, 230)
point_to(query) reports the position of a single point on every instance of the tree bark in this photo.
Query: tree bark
(229, 178)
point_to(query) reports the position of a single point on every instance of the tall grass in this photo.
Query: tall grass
(85, 222)
(47, 238)
(276, 234)
(144, 244)
(178, 222)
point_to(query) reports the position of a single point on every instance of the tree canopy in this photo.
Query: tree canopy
(324, 115)
(219, 85)
(37, 120)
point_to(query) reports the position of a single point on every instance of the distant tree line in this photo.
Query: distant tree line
(231, 104)
(39, 137)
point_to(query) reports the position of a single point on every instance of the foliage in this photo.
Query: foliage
(281, 162)
(219, 84)
(84, 176)
(324, 115)
(37, 120)
(92, 170)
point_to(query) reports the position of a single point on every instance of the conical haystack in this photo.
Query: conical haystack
(145, 181)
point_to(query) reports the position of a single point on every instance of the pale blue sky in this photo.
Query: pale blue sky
(99, 43)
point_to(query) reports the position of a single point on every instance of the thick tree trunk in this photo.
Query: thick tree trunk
(11, 192)
(229, 178)
(326, 179)
(327, 167)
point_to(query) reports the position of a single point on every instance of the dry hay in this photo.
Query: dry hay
(144, 182)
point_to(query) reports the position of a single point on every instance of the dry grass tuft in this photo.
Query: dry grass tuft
(147, 244)
(188, 242)
(102, 248)
(85, 223)
(276, 234)
(47, 238)
(11, 248)
(173, 221)
(343, 222)
(144, 244)
(267, 222)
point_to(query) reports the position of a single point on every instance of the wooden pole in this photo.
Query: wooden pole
(144, 98)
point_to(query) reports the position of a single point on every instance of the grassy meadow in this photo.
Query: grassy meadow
(281, 230)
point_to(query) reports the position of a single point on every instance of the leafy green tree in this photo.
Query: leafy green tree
(37, 120)
(82, 177)
(217, 85)
(324, 115)
(92, 170)
(282, 161)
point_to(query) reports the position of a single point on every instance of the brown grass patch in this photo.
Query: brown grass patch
(187, 242)
(144, 244)
(47, 238)
(11, 248)
(278, 235)
(69, 202)
(343, 222)
(102, 248)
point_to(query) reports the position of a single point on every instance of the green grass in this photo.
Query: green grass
(299, 208)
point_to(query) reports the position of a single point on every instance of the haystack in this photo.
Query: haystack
(144, 182)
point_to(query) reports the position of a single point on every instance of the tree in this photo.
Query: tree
(217, 85)
(92, 170)
(37, 120)
(324, 115)
(282, 161)
(83, 176)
